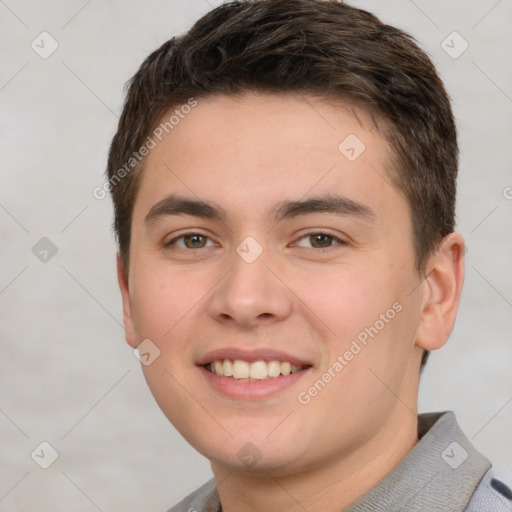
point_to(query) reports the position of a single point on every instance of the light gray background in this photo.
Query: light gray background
(67, 376)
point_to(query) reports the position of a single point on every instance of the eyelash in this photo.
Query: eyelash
(305, 235)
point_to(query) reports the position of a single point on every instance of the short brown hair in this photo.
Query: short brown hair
(322, 47)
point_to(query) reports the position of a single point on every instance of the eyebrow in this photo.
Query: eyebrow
(338, 205)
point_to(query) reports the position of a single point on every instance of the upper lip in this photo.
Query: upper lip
(260, 354)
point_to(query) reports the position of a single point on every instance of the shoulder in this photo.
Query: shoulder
(204, 499)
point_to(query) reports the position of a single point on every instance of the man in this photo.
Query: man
(283, 179)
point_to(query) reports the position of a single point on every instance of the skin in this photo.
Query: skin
(246, 154)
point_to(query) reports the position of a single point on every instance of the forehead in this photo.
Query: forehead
(278, 121)
(258, 148)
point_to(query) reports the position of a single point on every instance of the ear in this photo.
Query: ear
(129, 331)
(442, 288)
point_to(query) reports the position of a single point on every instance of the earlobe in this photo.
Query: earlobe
(442, 286)
(129, 330)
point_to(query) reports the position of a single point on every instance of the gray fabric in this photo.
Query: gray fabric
(436, 475)
(486, 498)
(440, 473)
(204, 499)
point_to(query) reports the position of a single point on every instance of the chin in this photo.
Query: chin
(256, 456)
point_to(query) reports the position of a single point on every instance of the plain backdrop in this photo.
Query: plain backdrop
(67, 376)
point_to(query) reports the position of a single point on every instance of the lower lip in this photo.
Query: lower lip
(251, 389)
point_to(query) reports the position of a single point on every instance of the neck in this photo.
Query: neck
(330, 488)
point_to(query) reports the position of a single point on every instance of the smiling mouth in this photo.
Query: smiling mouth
(252, 371)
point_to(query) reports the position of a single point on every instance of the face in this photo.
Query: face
(266, 239)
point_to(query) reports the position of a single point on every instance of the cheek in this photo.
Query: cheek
(171, 391)
(345, 299)
(162, 300)
(370, 319)
(164, 305)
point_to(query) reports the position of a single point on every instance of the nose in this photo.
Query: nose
(251, 294)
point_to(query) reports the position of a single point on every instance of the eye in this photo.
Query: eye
(319, 240)
(190, 240)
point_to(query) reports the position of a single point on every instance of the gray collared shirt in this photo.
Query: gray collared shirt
(440, 473)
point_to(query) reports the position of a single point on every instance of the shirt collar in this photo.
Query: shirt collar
(441, 472)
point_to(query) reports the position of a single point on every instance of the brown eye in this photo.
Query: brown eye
(194, 241)
(189, 241)
(321, 240)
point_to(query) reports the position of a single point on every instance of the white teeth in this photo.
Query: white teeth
(240, 369)
(273, 368)
(227, 368)
(217, 367)
(257, 370)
